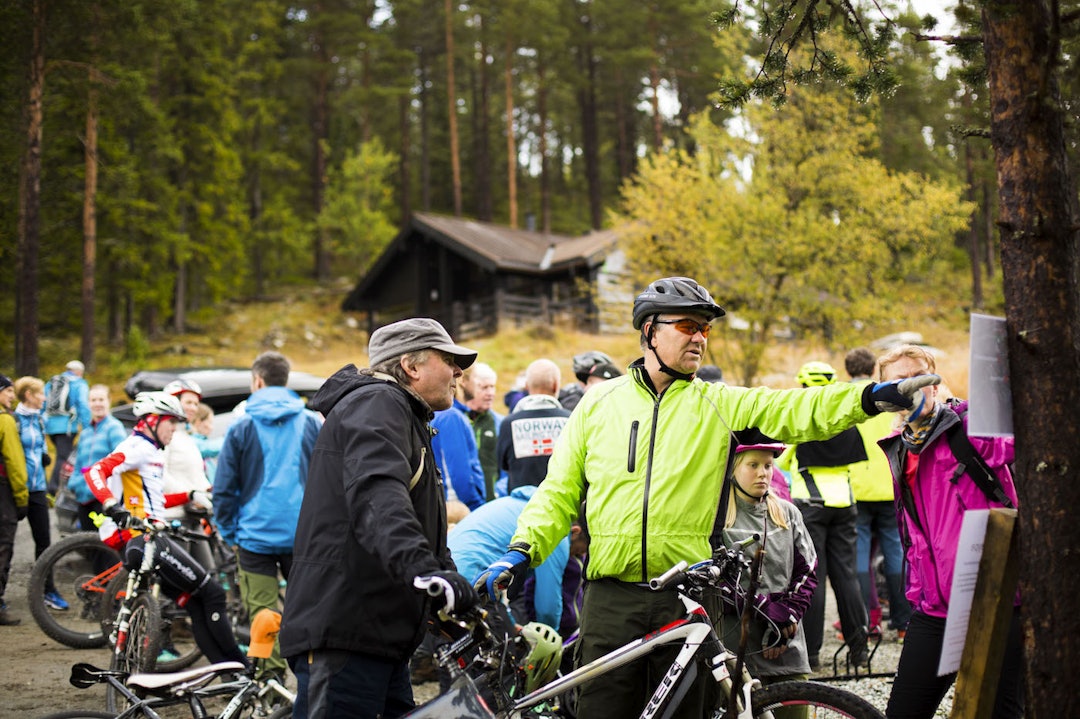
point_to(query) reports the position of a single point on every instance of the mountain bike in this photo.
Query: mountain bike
(487, 682)
(145, 694)
(137, 622)
(89, 574)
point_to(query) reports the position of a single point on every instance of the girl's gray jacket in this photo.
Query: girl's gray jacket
(788, 580)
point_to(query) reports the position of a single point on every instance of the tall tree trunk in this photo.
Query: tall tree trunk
(451, 95)
(404, 162)
(425, 136)
(90, 222)
(255, 212)
(481, 118)
(541, 111)
(1041, 271)
(511, 140)
(320, 125)
(27, 322)
(589, 125)
(973, 229)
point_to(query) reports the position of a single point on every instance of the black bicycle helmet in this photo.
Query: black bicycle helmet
(583, 363)
(674, 294)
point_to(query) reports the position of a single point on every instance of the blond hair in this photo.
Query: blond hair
(203, 412)
(914, 352)
(26, 385)
(776, 512)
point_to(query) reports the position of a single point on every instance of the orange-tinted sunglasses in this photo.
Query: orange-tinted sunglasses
(688, 326)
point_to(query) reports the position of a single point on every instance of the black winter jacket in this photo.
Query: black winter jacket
(363, 533)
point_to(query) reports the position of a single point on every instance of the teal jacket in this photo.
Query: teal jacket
(654, 465)
(96, 441)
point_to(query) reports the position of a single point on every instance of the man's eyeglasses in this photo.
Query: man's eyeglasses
(688, 326)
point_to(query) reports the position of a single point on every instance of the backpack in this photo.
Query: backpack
(58, 402)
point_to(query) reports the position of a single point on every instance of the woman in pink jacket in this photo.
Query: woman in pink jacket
(933, 491)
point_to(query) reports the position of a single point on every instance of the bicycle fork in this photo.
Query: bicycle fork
(119, 635)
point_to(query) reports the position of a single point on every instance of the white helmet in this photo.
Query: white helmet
(180, 385)
(159, 403)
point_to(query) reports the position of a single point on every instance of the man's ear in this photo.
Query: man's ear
(409, 366)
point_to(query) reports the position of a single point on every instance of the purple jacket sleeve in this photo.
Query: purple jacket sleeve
(791, 604)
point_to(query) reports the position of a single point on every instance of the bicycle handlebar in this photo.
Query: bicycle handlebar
(707, 571)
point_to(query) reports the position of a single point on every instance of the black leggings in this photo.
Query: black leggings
(37, 516)
(186, 582)
(918, 689)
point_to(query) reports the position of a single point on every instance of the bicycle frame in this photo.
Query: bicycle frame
(696, 634)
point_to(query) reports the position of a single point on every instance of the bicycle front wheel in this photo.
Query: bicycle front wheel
(811, 699)
(80, 566)
(178, 647)
(140, 649)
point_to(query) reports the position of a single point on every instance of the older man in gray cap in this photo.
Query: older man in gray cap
(372, 528)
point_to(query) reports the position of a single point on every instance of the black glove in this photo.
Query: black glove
(897, 395)
(46, 460)
(21, 512)
(451, 591)
(119, 515)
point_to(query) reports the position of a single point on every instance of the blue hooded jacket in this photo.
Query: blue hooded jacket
(481, 538)
(262, 471)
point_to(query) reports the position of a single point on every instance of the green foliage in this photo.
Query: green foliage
(794, 225)
(359, 206)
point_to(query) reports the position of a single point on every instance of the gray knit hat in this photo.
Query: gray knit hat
(412, 335)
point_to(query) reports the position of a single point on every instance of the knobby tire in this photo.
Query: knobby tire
(81, 714)
(142, 649)
(825, 698)
(71, 561)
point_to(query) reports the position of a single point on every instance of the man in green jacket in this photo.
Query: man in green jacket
(651, 448)
(13, 494)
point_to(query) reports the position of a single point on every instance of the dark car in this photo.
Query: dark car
(223, 389)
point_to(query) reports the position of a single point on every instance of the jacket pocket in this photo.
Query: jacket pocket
(631, 457)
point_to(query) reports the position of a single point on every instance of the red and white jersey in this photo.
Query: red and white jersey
(132, 475)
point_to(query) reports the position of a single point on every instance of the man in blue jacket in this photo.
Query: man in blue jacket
(70, 415)
(259, 485)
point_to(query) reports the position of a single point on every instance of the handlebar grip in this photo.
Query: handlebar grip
(667, 577)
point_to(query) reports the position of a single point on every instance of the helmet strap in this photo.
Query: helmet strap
(663, 365)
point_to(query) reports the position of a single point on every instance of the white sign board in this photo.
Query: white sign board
(965, 573)
(990, 410)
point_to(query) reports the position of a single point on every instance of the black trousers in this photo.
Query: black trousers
(9, 523)
(833, 532)
(917, 689)
(63, 443)
(37, 515)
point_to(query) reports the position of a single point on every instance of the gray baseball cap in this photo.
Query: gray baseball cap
(412, 335)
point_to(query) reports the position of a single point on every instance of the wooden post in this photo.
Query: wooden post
(991, 613)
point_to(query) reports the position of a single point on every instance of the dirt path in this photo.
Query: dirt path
(34, 669)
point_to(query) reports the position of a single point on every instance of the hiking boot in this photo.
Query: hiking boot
(53, 600)
(6, 619)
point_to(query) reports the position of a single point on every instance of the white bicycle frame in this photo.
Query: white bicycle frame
(691, 633)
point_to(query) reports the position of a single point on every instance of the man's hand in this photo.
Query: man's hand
(454, 591)
(495, 579)
(120, 516)
(898, 395)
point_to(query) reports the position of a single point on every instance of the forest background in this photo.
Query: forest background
(196, 153)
